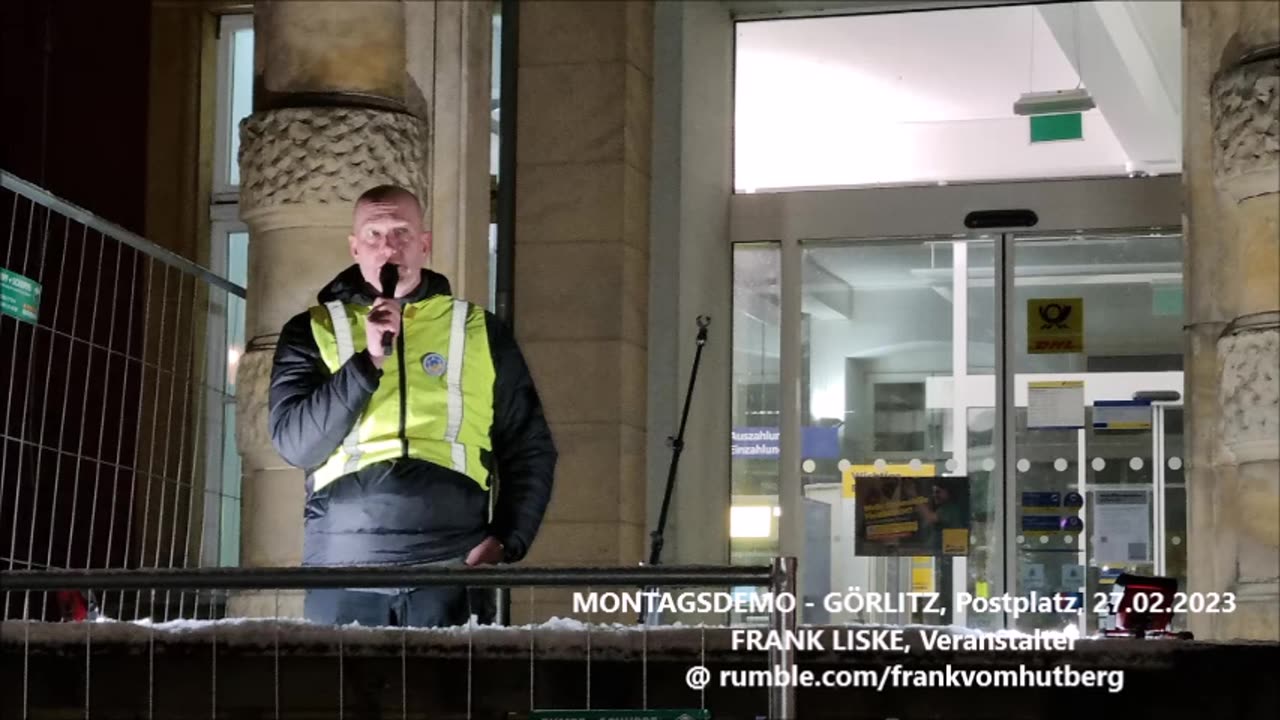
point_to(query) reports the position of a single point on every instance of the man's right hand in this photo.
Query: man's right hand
(383, 318)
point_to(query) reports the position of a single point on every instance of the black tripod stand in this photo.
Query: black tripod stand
(677, 446)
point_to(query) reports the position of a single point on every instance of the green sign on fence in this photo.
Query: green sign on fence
(620, 715)
(19, 296)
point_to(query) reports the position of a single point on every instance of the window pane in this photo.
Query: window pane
(927, 97)
(756, 365)
(883, 385)
(237, 272)
(241, 94)
(1104, 313)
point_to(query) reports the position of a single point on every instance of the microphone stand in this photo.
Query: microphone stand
(677, 446)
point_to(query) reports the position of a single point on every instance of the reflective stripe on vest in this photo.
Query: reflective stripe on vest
(457, 349)
(448, 383)
(346, 348)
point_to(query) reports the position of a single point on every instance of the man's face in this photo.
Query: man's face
(390, 231)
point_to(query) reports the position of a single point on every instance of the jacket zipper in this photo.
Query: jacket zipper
(404, 440)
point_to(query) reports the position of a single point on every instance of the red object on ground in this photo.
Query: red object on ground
(72, 605)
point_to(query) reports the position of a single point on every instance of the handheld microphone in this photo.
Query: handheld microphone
(389, 275)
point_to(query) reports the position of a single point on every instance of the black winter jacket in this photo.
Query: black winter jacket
(405, 511)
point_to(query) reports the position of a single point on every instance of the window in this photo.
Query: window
(235, 101)
(226, 341)
(919, 98)
(229, 257)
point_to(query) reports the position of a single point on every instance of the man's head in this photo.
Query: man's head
(941, 494)
(387, 227)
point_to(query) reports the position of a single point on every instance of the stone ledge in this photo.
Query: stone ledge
(437, 674)
(562, 638)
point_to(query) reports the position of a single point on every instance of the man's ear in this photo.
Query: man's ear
(426, 243)
(352, 246)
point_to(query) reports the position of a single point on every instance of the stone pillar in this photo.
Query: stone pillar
(337, 110)
(1232, 179)
(581, 292)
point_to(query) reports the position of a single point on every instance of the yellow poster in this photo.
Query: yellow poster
(1055, 325)
(955, 541)
(853, 471)
(922, 574)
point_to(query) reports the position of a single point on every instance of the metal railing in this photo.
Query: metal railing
(116, 379)
(779, 577)
(118, 391)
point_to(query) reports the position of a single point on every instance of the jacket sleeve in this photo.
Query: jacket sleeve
(522, 445)
(311, 409)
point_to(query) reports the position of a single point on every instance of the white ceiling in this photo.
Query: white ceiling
(922, 96)
(946, 67)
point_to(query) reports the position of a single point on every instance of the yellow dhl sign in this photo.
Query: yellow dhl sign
(1055, 325)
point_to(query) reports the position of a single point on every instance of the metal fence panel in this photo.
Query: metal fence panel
(106, 386)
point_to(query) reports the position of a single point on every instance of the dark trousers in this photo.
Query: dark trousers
(434, 606)
(431, 606)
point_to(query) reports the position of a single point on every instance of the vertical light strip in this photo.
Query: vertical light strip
(1006, 411)
(1082, 470)
(791, 523)
(959, 400)
(1157, 480)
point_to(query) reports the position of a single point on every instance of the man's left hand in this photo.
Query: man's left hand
(488, 552)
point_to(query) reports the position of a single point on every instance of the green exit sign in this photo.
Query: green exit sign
(1052, 128)
(620, 715)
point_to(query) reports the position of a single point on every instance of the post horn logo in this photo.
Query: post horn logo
(1055, 316)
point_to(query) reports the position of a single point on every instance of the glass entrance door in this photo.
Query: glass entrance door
(896, 391)
(1094, 330)
(1072, 479)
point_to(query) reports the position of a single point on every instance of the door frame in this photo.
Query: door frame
(792, 219)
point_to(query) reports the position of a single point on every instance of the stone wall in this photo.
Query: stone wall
(1232, 177)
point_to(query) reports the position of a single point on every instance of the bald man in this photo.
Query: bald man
(400, 447)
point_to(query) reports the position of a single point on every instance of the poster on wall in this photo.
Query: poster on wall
(899, 516)
(1056, 405)
(1122, 527)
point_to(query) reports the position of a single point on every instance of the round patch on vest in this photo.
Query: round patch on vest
(434, 364)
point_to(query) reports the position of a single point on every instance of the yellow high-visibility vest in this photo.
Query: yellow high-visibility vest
(435, 399)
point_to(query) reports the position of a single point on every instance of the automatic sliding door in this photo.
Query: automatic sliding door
(897, 457)
(1097, 326)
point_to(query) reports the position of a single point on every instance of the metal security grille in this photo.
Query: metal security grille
(112, 405)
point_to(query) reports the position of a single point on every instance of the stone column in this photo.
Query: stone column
(1232, 178)
(337, 110)
(581, 293)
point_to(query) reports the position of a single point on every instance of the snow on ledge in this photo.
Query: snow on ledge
(563, 638)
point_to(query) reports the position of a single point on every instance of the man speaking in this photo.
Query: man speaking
(401, 402)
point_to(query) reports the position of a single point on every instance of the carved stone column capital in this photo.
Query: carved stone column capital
(1249, 393)
(1246, 128)
(329, 155)
(1249, 388)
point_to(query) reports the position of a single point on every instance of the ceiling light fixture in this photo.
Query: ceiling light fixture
(1054, 102)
